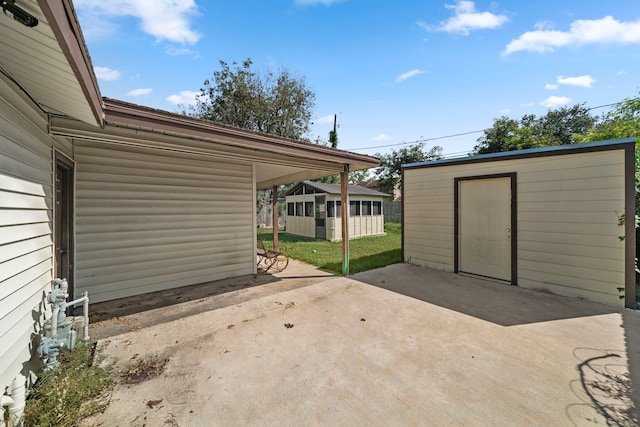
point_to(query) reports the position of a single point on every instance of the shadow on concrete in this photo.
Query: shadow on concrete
(494, 302)
(604, 388)
(129, 314)
(126, 306)
(631, 324)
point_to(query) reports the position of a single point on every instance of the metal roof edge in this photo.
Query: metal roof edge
(133, 115)
(556, 150)
(336, 189)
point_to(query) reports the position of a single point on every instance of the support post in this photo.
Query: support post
(274, 208)
(344, 193)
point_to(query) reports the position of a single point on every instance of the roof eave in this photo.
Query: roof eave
(64, 23)
(132, 115)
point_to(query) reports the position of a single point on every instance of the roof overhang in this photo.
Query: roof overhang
(277, 160)
(50, 61)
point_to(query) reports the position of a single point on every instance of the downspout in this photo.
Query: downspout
(344, 194)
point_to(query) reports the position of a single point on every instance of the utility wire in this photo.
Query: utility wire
(421, 140)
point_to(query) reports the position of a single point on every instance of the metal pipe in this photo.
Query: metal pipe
(84, 299)
(54, 321)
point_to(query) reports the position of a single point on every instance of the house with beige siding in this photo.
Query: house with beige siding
(314, 210)
(117, 198)
(552, 219)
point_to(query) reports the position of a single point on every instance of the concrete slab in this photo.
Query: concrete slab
(396, 346)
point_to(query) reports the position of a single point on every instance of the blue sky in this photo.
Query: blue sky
(393, 72)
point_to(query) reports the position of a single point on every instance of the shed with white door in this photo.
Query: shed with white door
(551, 219)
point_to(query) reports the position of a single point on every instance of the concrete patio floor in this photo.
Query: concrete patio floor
(401, 345)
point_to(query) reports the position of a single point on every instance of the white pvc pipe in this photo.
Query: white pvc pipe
(85, 312)
(19, 394)
(15, 402)
(4, 401)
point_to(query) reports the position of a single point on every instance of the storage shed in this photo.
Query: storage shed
(314, 210)
(552, 219)
(118, 198)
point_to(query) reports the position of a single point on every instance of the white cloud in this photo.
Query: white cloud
(177, 51)
(621, 72)
(581, 32)
(504, 111)
(325, 119)
(408, 75)
(139, 92)
(583, 81)
(467, 19)
(527, 104)
(163, 19)
(555, 101)
(106, 73)
(550, 86)
(316, 2)
(185, 97)
(381, 137)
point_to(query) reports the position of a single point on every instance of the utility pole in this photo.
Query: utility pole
(333, 136)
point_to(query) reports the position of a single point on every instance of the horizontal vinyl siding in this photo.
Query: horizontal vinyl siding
(567, 223)
(148, 221)
(25, 231)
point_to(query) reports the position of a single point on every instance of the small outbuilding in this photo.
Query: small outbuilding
(558, 219)
(314, 210)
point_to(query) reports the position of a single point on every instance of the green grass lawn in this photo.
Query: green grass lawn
(366, 253)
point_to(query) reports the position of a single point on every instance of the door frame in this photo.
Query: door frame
(514, 220)
(320, 214)
(67, 221)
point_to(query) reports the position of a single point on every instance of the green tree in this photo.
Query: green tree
(357, 177)
(388, 173)
(621, 122)
(565, 125)
(277, 104)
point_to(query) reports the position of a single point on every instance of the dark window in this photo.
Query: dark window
(291, 209)
(338, 209)
(331, 209)
(366, 208)
(308, 208)
(377, 208)
(299, 209)
(355, 208)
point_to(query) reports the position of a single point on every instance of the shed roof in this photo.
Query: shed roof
(611, 144)
(321, 187)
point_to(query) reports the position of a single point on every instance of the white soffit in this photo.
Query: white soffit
(36, 60)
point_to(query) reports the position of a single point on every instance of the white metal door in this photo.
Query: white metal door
(485, 227)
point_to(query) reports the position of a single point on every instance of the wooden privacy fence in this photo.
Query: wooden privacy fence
(392, 211)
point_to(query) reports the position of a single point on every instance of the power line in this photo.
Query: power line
(418, 141)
